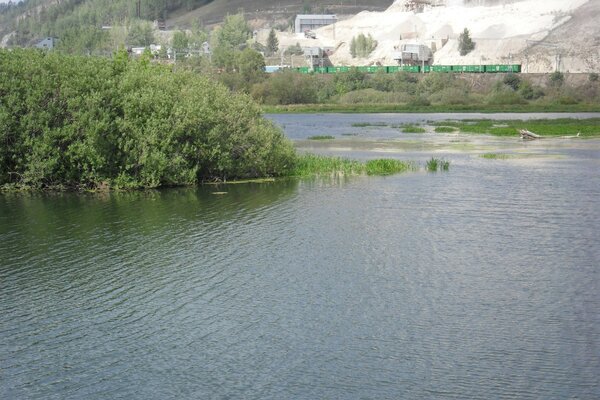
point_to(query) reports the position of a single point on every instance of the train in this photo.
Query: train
(491, 68)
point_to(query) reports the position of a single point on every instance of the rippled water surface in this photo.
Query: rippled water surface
(480, 283)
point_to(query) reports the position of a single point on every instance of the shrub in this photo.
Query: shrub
(286, 87)
(372, 96)
(362, 46)
(82, 121)
(513, 81)
(593, 77)
(530, 92)
(557, 79)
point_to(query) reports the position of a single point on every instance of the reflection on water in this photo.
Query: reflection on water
(477, 283)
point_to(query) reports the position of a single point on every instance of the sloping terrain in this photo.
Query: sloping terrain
(269, 11)
(542, 35)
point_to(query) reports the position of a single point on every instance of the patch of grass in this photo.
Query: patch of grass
(545, 127)
(367, 124)
(321, 137)
(315, 165)
(386, 166)
(445, 129)
(411, 128)
(437, 164)
(496, 156)
(349, 134)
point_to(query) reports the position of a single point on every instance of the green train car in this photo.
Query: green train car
(490, 69)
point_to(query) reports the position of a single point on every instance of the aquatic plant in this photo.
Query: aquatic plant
(437, 164)
(445, 129)
(387, 166)
(321, 137)
(316, 165)
(495, 156)
(411, 128)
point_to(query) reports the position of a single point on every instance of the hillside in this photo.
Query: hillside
(542, 35)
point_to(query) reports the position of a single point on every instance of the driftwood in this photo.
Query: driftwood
(527, 135)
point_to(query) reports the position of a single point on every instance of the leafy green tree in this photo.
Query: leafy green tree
(465, 43)
(140, 34)
(228, 40)
(272, 42)
(362, 46)
(180, 40)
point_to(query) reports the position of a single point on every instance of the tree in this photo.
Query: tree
(362, 46)
(272, 42)
(465, 44)
(180, 40)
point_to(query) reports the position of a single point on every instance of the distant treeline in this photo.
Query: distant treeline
(68, 121)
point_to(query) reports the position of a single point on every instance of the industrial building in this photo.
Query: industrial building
(312, 21)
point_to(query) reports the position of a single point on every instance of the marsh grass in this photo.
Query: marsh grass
(321, 137)
(545, 127)
(496, 156)
(445, 129)
(387, 166)
(315, 165)
(412, 128)
(437, 164)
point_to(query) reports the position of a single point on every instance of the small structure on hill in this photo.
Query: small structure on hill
(413, 54)
(47, 43)
(309, 22)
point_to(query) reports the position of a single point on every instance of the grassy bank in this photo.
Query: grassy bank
(545, 127)
(407, 108)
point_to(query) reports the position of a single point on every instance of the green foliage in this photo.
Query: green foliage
(228, 40)
(362, 46)
(513, 81)
(593, 77)
(436, 164)
(295, 50)
(465, 43)
(286, 87)
(387, 166)
(180, 40)
(410, 128)
(88, 122)
(140, 34)
(445, 129)
(530, 92)
(557, 79)
(345, 82)
(321, 137)
(272, 42)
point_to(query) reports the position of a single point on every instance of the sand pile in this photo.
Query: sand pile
(504, 33)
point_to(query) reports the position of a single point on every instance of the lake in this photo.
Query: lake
(481, 282)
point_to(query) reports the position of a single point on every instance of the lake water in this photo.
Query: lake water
(482, 282)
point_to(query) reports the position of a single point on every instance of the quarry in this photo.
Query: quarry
(541, 35)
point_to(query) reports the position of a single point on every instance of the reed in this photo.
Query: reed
(445, 129)
(316, 165)
(437, 164)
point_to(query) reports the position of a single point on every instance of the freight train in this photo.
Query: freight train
(492, 68)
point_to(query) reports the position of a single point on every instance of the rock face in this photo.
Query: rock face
(542, 35)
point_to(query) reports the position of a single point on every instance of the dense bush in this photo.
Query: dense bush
(286, 87)
(90, 122)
